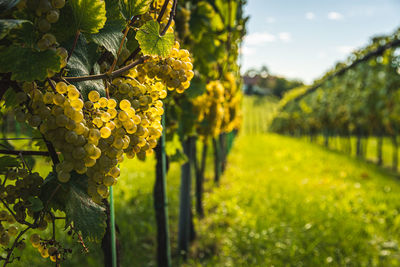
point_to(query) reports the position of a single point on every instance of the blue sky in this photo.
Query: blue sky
(304, 38)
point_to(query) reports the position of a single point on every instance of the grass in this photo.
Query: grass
(281, 202)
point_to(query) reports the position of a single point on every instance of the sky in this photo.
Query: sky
(304, 38)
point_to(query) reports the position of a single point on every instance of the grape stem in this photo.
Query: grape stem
(74, 44)
(162, 11)
(10, 251)
(24, 152)
(114, 74)
(15, 217)
(25, 164)
(171, 17)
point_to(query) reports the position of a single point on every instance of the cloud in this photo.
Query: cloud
(345, 49)
(310, 16)
(270, 20)
(259, 38)
(322, 55)
(335, 16)
(247, 51)
(285, 37)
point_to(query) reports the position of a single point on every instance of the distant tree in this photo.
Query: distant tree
(268, 83)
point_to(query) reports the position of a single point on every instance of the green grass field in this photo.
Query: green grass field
(281, 202)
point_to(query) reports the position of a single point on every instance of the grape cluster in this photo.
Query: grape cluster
(16, 190)
(94, 135)
(48, 248)
(176, 71)
(232, 109)
(157, 6)
(210, 107)
(46, 13)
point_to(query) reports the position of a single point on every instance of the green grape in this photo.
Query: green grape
(52, 16)
(102, 190)
(73, 93)
(44, 25)
(50, 38)
(61, 120)
(124, 104)
(105, 132)
(58, 3)
(108, 180)
(63, 176)
(77, 104)
(78, 153)
(61, 87)
(94, 96)
(43, 44)
(112, 104)
(103, 102)
(59, 99)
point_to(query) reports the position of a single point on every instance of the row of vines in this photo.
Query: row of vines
(357, 98)
(94, 83)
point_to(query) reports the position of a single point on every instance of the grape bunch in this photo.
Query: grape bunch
(46, 12)
(175, 72)
(210, 108)
(232, 109)
(48, 248)
(93, 136)
(17, 190)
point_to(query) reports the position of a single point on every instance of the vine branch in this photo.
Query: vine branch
(102, 76)
(24, 152)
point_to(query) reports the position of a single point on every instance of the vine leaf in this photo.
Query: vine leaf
(130, 8)
(28, 65)
(88, 217)
(8, 162)
(6, 25)
(36, 204)
(110, 36)
(81, 63)
(152, 43)
(7, 4)
(89, 15)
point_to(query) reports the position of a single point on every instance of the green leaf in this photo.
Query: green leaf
(89, 15)
(152, 43)
(88, 217)
(130, 8)
(10, 98)
(27, 64)
(36, 204)
(6, 25)
(8, 162)
(7, 4)
(197, 87)
(110, 36)
(81, 63)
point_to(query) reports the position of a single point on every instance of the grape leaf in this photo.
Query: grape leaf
(197, 87)
(81, 64)
(88, 217)
(36, 204)
(130, 8)
(7, 162)
(152, 43)
(26, 64)
(110, 36)
(6, 25)
(89, 15)
(7, 4)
